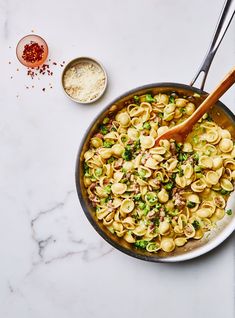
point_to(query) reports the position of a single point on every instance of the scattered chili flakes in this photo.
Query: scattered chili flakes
(32, 53)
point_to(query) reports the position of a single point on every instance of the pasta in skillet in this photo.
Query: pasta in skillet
(158, 198)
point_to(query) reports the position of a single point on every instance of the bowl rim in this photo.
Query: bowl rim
(171, 259)
(91, 59)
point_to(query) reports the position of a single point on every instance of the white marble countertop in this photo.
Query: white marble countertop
(53, 264)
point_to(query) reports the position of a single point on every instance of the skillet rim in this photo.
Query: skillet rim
(209, 246)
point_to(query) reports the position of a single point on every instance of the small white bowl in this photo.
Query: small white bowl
(79, 60)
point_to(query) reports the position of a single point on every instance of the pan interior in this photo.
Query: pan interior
(219, 113)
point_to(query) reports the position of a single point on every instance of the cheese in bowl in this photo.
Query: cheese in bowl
(159, 198)
(84, 80)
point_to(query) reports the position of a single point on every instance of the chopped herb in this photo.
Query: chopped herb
(224, 192)
(111, 230)
(191, 204)
(199, 175)
(160, 115)
(137, 197)
(106, 120)
(209, 118)
(86, 170)
(142, 173)
(173, 176)
(147, 125)
(182, 156)
(196, 156)
(196, 225)
(141, 244)
(127, 154)
(113, 129)
(229, 212)
(173, 212)
(178, 147)
(104, 200)
(157, 222)
(181, 172)
(107, 189)
(182, 110)
(146, 209)
(195, 139)
(136, 99)
(149, 98)
(197, 169)
(171, 100)
(203, 142)
(110, 160)
(169, 186)
(98, 172)
(151, 198)
(158, 206)
(137, 145)
(123, 139)
(141, 205)
(103, 129)
(108, 143)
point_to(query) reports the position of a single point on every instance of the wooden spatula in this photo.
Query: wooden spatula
(180, 132)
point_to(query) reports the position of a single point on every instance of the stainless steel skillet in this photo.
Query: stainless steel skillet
(220, 114)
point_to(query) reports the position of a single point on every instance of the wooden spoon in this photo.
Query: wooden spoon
(180, 132)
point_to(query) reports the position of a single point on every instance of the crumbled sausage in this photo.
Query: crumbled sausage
(178, 199)
(118, 163)
(173, 148)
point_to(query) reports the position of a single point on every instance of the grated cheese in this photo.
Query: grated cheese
(84, 81)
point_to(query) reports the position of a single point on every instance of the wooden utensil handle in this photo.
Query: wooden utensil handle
(224, 85)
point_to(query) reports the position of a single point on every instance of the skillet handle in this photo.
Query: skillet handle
(221, 28)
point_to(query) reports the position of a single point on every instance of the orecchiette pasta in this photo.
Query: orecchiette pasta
(159, 197)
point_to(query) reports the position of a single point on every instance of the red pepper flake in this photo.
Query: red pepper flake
(63, 62)
(17, 70)
(44, 89)
(61, 65)
(54, 63)
(11, 77)
(9, 62)
(33, 52)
